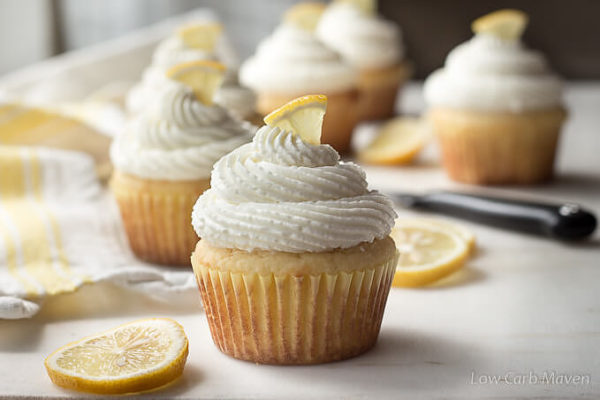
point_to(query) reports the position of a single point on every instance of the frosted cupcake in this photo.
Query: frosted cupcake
(373, 46)
(295, 262)
(292, 62)
(164, 159)
(496, 107)
(202, 41)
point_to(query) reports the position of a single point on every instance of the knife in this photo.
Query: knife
(566, 221)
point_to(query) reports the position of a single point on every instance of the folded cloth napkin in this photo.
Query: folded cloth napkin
(60, 229)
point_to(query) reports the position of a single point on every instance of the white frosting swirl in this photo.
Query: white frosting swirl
(177, 137)
(173, 51)
(492, 74)
(293, 60)
(239, 100)
(140, 95)
(279, 193)
(367, 41)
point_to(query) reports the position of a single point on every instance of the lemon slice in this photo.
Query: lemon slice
(366, 6)
(506, 24)
(303, 116)
(203, 76)
(398, 142)
(305, 15)
(428, 251)
(201, 36)
(459, 229)
(134, 357)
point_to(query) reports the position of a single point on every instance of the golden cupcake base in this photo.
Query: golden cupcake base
(498, 148)
(378, 90)
(340, 119)
(294, 317)
(157, 216)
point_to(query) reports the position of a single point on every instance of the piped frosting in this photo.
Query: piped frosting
(293, 60)
(489, 73)
(177, 137)
(366, 40)
(280, 193)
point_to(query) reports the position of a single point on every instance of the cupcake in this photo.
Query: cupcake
(295, 262)
(164, 159)
(202, 41)
(374, 47)
(496, 107)
(292, 62)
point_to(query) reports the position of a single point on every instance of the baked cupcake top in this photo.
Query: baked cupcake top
(181, 134)
(293, 60)
(202, 41)
(494, 71)
(361, 36)
(283, 193)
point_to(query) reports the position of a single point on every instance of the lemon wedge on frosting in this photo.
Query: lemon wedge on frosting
(305, 15)
(429, 250)
(203, 76)
(366, 6)
(134, 357)
(397, 142)
(201, 36)
(507, 24)
(303, 116)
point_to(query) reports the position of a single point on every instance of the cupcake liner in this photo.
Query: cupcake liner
(157, 217)
(294, 319)
(378, 90)
(339, 121)
(498, 148)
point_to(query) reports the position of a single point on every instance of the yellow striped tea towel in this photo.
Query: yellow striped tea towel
(60, 229)
(33, 126)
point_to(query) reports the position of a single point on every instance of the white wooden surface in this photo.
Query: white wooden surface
(524, 305)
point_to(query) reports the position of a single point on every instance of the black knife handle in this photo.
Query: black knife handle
(566, 221)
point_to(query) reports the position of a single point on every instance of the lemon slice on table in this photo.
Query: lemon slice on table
(201, 36)
(505, 24)
(134, 357)
(428, 251)
(203, 76)
(303, 116)
(366, 6)
(305, 15)
(397, 142)
(460, 230)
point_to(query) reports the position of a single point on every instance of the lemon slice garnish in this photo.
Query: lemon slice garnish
(134, 357)
(366, 6)
(305, 15)
(203, 76)
(201, 36)
(303, 116)
(397, 142)
(505, 24)
(428, 250)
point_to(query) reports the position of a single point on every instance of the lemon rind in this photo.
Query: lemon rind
(148, 379)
